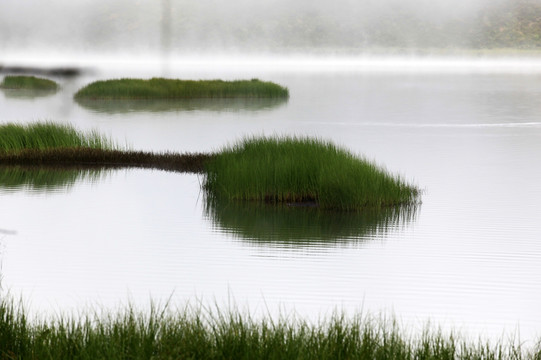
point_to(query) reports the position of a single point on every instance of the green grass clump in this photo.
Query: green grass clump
(40, 136)
(28, 83)
(301, 170)
(160, 88)
(195, 333)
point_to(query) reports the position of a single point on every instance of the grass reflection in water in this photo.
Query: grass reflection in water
(180, 105)
(27, 94)
(44, 179)
(299, 226)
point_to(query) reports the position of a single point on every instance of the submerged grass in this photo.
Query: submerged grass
(297, 170)
(28, 83)
(196, 333)
(40, 136)
(160, 88)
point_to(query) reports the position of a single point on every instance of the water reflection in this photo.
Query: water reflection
(289, 226)
(40, 179)
(27, 93)
(178, 105)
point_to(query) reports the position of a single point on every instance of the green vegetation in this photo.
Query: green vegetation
(303, 170)
(275, 170)
(194, 333)
(40, 136)
(28, 83)
(56, 145)
(159, 88)
(303, 226)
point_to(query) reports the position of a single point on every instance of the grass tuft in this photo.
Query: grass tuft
(160, 88)
(41, 136)
(28, 83)
(303, 170)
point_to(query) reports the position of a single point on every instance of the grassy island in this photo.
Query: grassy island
(293, 171)
(62, 146)
(28, 83)
(303, 170)
(160, 88)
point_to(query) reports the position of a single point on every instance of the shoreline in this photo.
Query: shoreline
(100, 158)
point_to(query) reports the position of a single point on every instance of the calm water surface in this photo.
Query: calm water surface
(469, 257)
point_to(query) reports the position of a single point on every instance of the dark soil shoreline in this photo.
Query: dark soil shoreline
(99, 158)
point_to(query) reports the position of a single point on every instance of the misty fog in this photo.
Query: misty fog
(263, 26)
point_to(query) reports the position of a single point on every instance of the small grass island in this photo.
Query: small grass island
(160, 88)
(63, 146)
(28, 83)
(303, 171)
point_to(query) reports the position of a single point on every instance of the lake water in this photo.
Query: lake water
(468, 258)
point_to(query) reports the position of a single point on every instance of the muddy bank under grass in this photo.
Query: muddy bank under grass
(74, 157)
(59, 145)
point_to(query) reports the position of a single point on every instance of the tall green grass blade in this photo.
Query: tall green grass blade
(46, 135)
(200, 333)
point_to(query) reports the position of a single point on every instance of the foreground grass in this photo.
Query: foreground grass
(40, 136)
(195, 333)
(159, 88)
(28, 83)
(303, 170)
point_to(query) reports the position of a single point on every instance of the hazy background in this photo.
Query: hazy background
(182, 26)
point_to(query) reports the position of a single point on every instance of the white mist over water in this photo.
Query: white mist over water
(242, 26)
